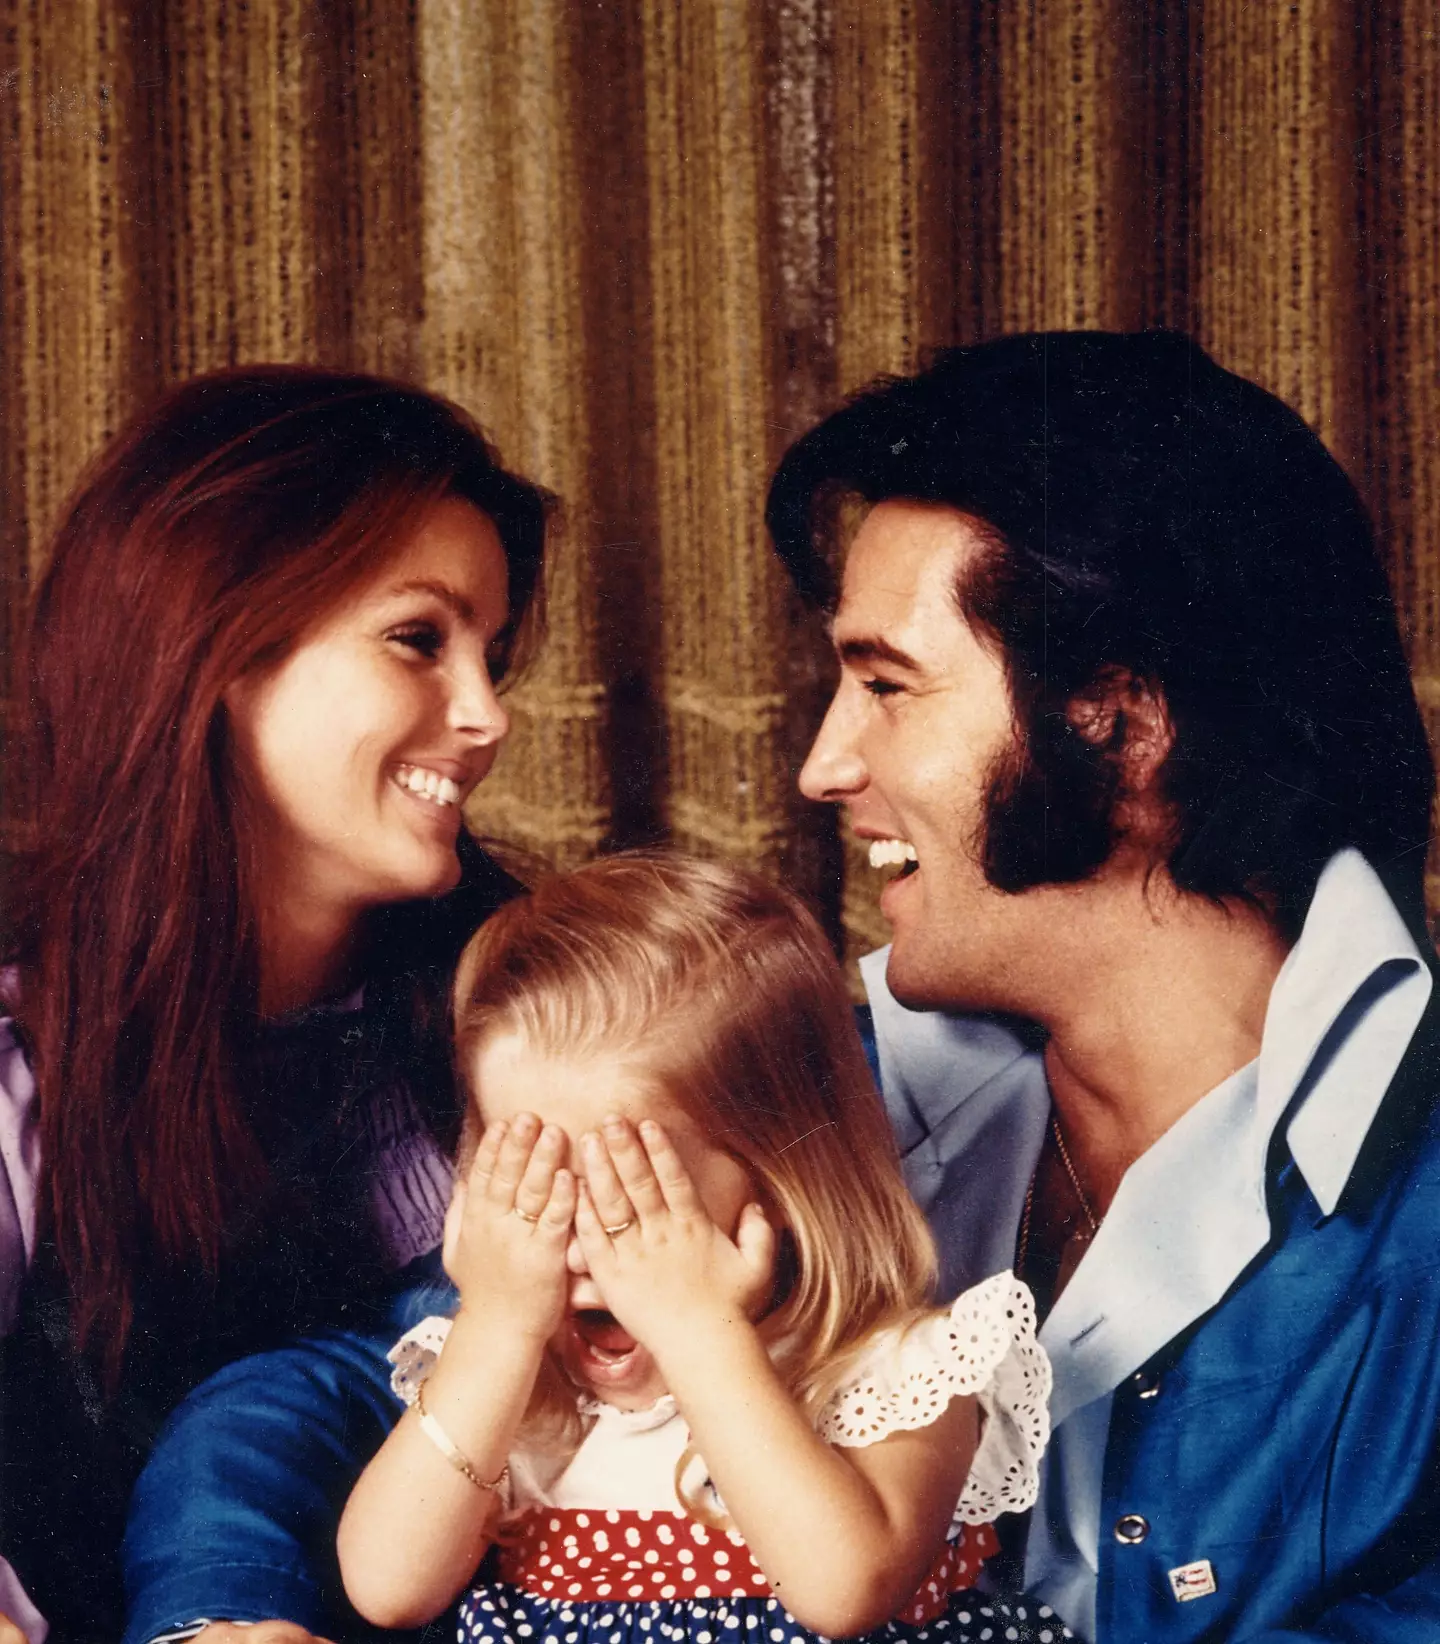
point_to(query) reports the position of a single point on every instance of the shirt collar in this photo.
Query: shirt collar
(1343, 1010)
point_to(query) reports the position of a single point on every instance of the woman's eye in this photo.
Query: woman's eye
(423, 637)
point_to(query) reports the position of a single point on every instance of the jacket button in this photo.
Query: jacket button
(1146, 1384)
(1130, 1529)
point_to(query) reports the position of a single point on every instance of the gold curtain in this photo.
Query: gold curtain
(648, 242)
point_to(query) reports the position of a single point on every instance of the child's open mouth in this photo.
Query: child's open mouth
(603, 1334)
(604, 1355)
(598, 1352)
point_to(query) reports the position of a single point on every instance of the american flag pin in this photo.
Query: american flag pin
(1195, 1580)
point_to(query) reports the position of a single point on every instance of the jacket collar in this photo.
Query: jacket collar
(1343, 1010)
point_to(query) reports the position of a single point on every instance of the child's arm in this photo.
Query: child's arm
(845, 1536)
(416, 1527)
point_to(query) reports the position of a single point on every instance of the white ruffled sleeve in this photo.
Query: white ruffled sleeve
(414, 1356)
(984, 1345)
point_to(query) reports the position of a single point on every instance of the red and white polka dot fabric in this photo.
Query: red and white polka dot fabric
(619, 1555)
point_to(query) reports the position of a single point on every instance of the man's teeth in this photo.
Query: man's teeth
(440, 790)
(891, 853)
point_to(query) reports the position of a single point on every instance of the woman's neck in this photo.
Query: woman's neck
(307, 953)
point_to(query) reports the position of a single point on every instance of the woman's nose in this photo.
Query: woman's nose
(833, 770)
(475, 707)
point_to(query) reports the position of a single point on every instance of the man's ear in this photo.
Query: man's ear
(1127, 716)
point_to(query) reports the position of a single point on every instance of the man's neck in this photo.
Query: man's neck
(1171, 1002)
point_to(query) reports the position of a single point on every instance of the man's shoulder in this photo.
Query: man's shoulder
(1394, 1187)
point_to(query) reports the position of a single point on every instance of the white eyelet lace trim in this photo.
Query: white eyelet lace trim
(985, 1346)
(414, 1356)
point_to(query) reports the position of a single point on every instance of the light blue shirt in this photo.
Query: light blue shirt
(970, 1106)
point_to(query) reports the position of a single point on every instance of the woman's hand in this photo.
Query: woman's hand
(671, 1267)
(507, 1228)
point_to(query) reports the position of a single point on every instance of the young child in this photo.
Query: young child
(693, 1389)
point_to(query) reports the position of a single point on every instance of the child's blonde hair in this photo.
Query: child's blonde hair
(722, 990)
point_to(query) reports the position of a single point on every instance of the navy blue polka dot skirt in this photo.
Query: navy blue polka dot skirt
(502, 1614)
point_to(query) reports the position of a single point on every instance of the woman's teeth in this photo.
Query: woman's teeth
(439, 790)
(891, 853)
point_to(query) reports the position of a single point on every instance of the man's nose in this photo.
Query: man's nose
(833, 770)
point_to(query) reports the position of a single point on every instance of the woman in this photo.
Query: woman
(258, 685)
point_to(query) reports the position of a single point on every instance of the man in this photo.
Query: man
(1120, 680)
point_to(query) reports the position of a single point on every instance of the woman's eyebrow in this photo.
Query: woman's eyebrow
(448, 596)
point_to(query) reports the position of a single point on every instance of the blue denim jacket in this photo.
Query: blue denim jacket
(234, 1516)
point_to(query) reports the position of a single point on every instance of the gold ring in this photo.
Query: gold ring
(618, 1228)
(524, 1216)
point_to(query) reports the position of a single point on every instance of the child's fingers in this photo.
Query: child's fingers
(632, 1165)
(612, 1204)
(593, 1239)
(755, 1239)
(532, 1192)
(558, 1215)
(511, 1159)
(667, 1170)
(483, 1164)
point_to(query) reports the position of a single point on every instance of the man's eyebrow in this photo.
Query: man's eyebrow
(868, 649)
(448, 596)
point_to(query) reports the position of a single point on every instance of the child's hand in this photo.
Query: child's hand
(671, 1268)
(508, 1225)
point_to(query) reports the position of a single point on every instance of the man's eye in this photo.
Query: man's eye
(423, 637)
(881, 687)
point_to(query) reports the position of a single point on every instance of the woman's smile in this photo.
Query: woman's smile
(428, 785)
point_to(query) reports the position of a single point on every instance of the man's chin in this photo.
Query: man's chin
(915, 984)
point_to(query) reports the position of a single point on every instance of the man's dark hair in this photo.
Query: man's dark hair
(1149, 514)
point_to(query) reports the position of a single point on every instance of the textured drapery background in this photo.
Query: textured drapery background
(648, 241)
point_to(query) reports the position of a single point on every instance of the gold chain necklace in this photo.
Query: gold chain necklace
(1091, 1218)
(1081, 1198)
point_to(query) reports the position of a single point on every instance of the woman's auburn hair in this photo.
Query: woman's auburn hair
(720, 990)
(201, 544)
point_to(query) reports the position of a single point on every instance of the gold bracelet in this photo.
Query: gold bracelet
(452, 1451)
